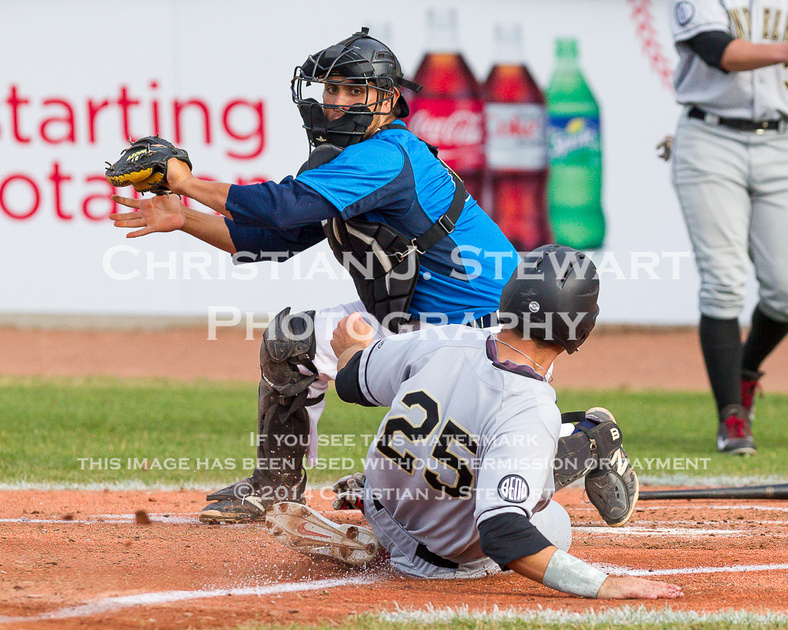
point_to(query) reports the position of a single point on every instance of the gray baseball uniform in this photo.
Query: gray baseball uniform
(730, 156)
(467, 439)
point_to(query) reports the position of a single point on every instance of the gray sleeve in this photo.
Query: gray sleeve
(688, 19)
(383, 366)
(516, 469)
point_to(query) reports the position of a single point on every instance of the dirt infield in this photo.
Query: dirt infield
(79, 559)
(73, 559)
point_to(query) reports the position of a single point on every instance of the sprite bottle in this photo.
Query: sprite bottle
(574, 189)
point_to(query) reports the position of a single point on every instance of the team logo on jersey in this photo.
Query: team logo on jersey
(513, 488)
(534, 307)
(684, 12)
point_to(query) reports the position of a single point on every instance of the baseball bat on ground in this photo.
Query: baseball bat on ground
(777, 491)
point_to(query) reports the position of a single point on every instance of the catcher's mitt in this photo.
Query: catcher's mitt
(144, 165)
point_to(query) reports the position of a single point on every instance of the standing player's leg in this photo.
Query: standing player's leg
(288, 345)
(768, 229)
(711, 178)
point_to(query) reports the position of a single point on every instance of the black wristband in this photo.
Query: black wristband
(347, 383)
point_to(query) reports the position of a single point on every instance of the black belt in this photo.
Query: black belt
(739, 124)
(485, 321)
(421, 549)
(433, 558)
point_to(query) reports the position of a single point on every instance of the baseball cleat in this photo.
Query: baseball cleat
(304, 530)
(246, 501)
(750, 386)
(249, 509)
(236, 490)
(234, 504)
(734, 435)
(613, 489)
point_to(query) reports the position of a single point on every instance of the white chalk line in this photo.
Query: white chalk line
(766, 508)
(657, 531)
(126, 486)
(739, 568)
(113, 604)
(632, 530)
(106, 518)
(117, 603)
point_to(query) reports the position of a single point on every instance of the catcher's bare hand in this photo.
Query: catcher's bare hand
(627, 587)
(163, 213)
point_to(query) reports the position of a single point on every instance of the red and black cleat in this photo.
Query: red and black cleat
(734, 435)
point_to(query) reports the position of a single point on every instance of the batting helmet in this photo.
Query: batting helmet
(552, 295)
(358, 60)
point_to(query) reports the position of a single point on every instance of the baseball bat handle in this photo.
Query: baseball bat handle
(777, 491)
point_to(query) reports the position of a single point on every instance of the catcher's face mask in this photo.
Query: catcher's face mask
(356, 77)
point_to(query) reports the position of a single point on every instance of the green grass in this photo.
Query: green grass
(624, 617)
(679, 430)
(77, 430)
(99, 431)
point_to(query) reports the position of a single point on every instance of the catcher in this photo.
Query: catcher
(450, 491)
(416, 245)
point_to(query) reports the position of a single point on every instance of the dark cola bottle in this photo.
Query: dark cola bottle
(447, 113)
(515, 183)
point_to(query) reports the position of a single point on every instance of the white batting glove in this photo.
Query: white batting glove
(350, 492)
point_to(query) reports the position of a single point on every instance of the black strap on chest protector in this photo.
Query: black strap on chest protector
(448, 220)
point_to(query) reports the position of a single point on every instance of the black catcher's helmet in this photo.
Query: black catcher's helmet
(552, 295)
(359, 60)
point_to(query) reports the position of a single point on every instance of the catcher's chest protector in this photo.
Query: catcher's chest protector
(383, 264)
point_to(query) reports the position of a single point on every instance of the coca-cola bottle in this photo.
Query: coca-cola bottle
(448, 111)
(516, 145)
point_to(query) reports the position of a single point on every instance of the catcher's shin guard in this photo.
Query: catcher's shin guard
(282, 422)
(596, 454)
(579, 454)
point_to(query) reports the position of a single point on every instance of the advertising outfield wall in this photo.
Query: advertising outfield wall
(81, 76)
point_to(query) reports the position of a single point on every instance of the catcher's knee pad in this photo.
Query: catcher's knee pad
(580, 453)
(289, 342)
(288, 345)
